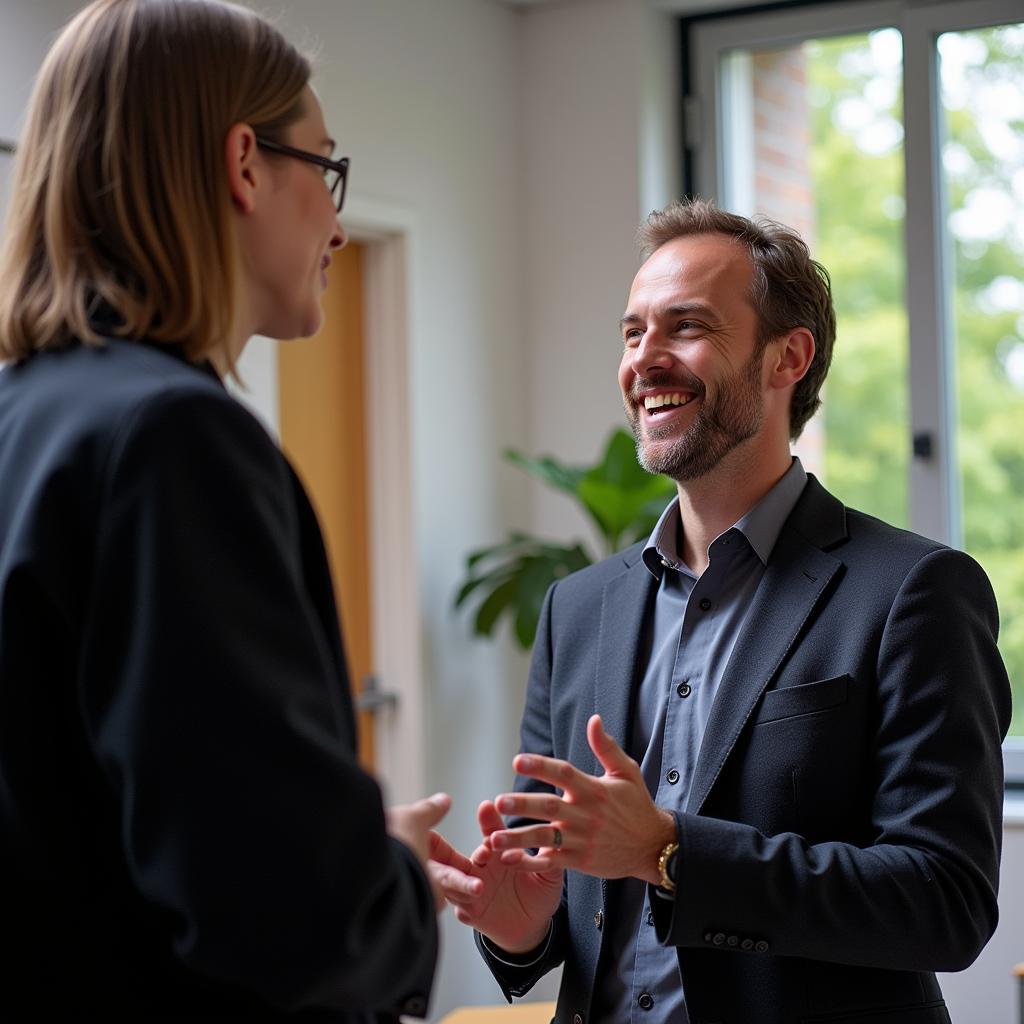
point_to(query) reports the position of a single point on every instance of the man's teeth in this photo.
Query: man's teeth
(657, 401)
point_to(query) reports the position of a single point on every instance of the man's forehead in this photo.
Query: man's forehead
(694, 261)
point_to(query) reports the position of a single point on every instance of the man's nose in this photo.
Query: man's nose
(653, 353)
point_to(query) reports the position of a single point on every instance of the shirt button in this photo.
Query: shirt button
(599, 919)
(646, 1000)
(673, 777)
(705, 603)
(683, 689)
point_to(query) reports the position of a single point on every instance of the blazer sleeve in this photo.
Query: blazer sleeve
(516, 975)
(922, 894)
(212, 702)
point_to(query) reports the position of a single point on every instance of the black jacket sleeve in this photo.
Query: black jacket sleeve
(218, 712)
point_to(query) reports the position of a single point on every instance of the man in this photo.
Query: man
(809, 824)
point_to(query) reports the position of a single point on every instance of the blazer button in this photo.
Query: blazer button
(650, 917)
(747, 945)
(708, 937)
(646, 1001)
(719, 938)
(415, 1005)
(577, 1018)
(732, 940)
(599, 919)
(761, 947)
(683, 689)
(673, 777)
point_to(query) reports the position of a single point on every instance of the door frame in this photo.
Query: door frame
(389, 235)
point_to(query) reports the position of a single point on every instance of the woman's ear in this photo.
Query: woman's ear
(791, 358)
(240, 157)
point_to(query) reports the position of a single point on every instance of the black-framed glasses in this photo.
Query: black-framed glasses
(337, 179)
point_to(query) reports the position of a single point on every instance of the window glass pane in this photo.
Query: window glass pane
(982, 83)
(813, 137)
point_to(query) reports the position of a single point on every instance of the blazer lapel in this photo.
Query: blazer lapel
(625, 604)
(795, 581)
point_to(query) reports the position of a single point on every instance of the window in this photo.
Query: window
(890, 134)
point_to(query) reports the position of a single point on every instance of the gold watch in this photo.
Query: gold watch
(666, 855)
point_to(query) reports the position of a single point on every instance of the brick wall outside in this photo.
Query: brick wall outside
(783, 182)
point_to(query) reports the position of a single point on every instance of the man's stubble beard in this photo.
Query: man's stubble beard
(734, 416)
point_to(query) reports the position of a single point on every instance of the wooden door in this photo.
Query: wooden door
(321, 383)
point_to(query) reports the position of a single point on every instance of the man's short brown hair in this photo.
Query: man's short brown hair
(788, 290)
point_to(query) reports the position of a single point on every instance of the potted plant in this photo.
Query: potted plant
(510, 579)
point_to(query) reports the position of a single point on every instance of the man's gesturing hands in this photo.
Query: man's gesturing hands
(608, 826)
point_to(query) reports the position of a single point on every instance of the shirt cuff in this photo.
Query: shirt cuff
(528, 959)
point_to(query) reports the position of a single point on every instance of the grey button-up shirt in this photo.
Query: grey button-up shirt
(695, 625)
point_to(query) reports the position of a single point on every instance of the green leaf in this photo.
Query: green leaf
(515, 540)
(558, 475)
(538, 574)
(619, 464)
(495, 603)
(474, 582)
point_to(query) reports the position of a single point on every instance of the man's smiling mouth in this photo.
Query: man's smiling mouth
(667, 401)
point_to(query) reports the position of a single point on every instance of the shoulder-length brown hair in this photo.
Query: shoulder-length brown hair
(120, 212)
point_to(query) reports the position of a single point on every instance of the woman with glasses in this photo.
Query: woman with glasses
(184, 828)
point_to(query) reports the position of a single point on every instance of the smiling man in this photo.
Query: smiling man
(788, 805)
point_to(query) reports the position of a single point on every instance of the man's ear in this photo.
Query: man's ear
(239, 157)
(790, 358)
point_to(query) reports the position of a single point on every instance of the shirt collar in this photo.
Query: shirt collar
(761, 525)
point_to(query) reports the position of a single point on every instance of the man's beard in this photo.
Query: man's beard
(734, 415)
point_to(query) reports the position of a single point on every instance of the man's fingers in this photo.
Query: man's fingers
(539, 806)
(443, 852)
(613, 758)
(482, 855)
(488, 818)
(455, 884)
(528, 837)
(550, 770)
(545, 861)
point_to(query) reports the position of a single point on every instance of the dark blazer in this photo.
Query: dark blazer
(184, 828)
(841, 841)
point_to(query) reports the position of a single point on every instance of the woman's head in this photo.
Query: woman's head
(140, 195)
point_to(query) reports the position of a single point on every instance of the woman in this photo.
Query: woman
(183, 825)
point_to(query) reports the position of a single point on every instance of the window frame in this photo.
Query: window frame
(933, 487)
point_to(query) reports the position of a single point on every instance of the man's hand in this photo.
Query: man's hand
(513, 908)
(608, 826)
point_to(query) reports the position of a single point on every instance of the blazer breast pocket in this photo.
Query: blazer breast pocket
(805, 699)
